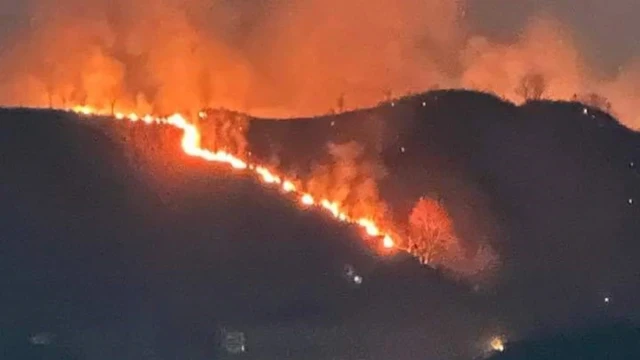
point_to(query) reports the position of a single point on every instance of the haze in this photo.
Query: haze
(286, 58)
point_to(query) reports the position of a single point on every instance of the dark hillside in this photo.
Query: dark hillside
(129, 249)
(111, 235)
(553, 185)
(617, 342)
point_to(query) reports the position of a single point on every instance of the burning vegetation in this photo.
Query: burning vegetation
(191, 145)
(345, 187)
(434, 241)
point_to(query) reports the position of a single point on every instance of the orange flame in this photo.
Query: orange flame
(191, 146)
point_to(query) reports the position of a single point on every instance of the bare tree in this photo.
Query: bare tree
(50, 88)
(206, 92)
(340, 103)
(48, 77)
(596, 101)
(432, 235)
(532, 87)
(388, 95)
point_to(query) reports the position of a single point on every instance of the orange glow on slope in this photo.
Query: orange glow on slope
(191, 146)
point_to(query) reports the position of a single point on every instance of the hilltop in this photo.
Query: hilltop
(146, 240)
(546, 182)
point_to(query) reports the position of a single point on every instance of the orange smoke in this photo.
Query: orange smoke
(281, 58)
(545, 48)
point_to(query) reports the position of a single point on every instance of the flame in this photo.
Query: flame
(497, 343)
(85, 110)
(190, 143)
(307, 199)
(388, 242)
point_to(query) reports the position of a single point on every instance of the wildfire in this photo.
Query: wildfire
(191, 146)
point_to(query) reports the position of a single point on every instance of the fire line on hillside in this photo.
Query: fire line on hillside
(191, 146)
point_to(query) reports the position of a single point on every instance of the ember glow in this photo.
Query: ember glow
(497, 344)
(191, 145)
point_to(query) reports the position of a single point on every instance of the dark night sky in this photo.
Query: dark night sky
(605, 28)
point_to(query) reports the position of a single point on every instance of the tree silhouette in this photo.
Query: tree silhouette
(596, 101)
(532, 87)
(340, 103)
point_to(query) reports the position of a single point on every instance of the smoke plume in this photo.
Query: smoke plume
(350, 178)
(279, 57)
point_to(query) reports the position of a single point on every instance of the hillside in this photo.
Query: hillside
(619, 341)
(112, 235)
(546, 182)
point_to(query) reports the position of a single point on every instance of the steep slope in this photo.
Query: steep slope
(552, 185)
(108, 229)
(133, 243)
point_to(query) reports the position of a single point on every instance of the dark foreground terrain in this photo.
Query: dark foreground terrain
(619, 341)
(124, 248)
